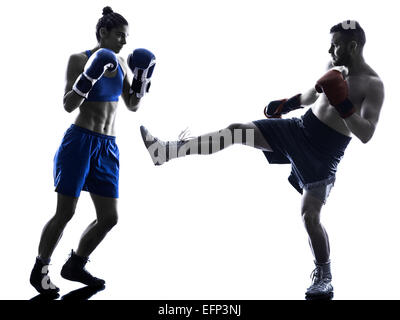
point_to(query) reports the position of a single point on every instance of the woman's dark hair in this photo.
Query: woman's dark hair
(109, 20)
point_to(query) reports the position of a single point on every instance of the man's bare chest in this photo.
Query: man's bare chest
(358, 86)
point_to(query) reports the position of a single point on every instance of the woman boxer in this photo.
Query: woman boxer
(88, 157)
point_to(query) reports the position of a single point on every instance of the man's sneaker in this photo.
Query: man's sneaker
(156, 147)
(74, 270)
(162, 151)
(321, 287)
(40, 280)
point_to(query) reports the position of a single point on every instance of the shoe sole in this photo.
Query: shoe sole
(47, 292)
(67, 277)
(327, 296)
(43, 291)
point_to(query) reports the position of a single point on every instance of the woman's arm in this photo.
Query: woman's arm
(75, 67)
(131, 100)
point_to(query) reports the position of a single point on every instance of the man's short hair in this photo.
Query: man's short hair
(352, 31)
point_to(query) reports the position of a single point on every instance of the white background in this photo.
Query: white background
(225, 226)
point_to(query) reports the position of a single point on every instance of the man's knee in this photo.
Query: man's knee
(310, 212)
(235, 126)
(242, 133)
(311, 219)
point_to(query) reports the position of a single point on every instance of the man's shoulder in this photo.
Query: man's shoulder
(374, 81)
(369, 79)
(372, 76)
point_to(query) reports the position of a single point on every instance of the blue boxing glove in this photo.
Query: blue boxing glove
(98, 63)
(142, 63)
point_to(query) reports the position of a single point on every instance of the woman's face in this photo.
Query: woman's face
(115, 38)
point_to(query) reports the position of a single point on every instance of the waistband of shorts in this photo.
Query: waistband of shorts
(74, 127)
(323, 134)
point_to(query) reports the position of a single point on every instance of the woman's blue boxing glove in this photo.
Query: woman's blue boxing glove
(100, 61)
(142, 63)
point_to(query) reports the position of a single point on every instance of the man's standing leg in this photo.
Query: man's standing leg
(311, 206)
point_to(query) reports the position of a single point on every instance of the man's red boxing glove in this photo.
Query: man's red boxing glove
(335, 88)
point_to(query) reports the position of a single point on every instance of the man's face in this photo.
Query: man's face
(339, 50)
(115, 39)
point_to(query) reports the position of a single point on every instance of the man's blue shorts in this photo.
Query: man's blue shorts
(312, 148)
(86, 160)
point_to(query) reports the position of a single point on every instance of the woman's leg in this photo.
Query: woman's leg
(107, 218)
(50, 237)
(53, 230)
(74, 268)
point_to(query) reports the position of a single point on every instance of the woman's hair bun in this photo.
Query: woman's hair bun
(107, 10)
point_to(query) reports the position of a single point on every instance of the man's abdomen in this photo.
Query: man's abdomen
(329, 116)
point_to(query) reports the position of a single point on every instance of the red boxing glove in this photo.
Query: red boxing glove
(335, 88)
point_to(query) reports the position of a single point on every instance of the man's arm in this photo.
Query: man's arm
(309, 97)
(363, 125)
(75, 66)
(131, 100)
(276, 108)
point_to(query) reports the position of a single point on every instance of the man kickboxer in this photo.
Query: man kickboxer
(88, 157)
(345, 101)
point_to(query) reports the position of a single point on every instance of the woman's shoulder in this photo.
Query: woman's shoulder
(78, 59)
(123, 64)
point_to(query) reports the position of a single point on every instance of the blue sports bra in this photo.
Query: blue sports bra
(106, 89)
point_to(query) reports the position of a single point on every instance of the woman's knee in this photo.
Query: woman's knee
(63, 216)
(108, 221)
(65, 208)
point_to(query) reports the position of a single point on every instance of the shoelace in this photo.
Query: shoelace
(185, 135)
(70, 255)
(317, 279)
(315, 274)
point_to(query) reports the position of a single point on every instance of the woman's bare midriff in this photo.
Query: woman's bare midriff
(97, 116)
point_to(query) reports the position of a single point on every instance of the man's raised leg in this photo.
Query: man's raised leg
(237, 133)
